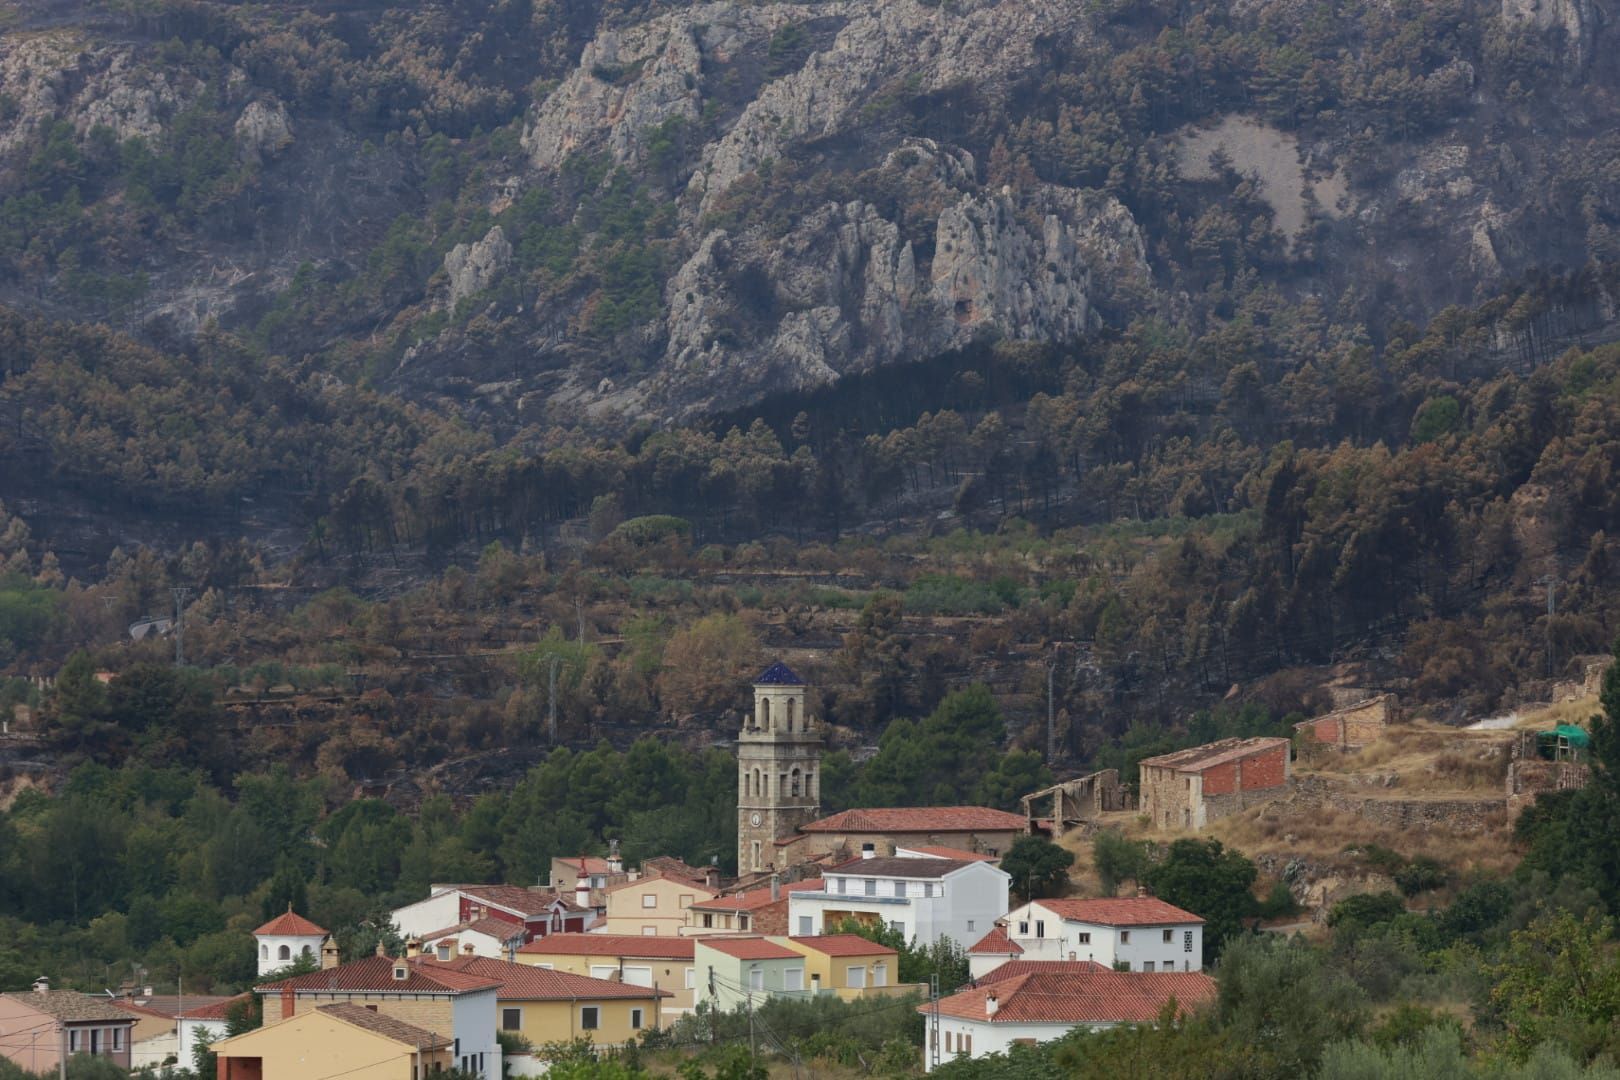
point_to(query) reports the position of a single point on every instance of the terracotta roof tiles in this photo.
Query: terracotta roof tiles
(526, 982)
(844, 945)
(214, 1009)
(893, 867)
(70, 1005)
(1120, 911)
(289, 924)
(375, 974)
(920, 819)
(1198, 758)
(1080, 997)
(386, 1026)
(1013, 968)
(749, 948)
(996, 943)
(753, 899)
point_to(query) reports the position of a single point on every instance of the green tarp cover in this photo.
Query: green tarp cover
(1575, 736)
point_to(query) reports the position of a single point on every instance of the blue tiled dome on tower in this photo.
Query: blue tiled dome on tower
(778, 674)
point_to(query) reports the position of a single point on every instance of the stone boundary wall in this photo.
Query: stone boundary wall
(1461, 815)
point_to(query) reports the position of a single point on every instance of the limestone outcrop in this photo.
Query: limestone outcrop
(474, 267)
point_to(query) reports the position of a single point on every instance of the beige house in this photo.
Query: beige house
(664, 963)
(652, 907)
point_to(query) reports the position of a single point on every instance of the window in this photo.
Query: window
(1040, 928)
(898, 927)
(708, 921)
(589, 1017)
(871, 886)
(1124, 937)
(649, 900)
(843, 884)
(691, 978)
(1023, 929)
(511, 1019)
(1147, 965)
(635, 1019)
(928, 888)
(857, 976)
(804, 926)
(1186, 941)
(284, 953)
(756, 978)
(795, 783)
(793, 979)
(950, 1037)
(264, 952)
(1169, 936)
(598, 881)
(880, 974)
(899, 888)
(970, 926)
(649, 931)
(117, 1038)
(968, 1047)
(1083, 938)
(73, 1040)
(742, 922)
(444, 952)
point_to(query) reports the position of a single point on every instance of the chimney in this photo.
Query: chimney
(582, 892)
(776, 887)
(42, 985)
(615, 864)
(466, 948)
(990, 1005)
(287, 1000)
(381, 950)
(329, 954)
(868, 850)
(413, 947)
(148, 990)
(1141, 891)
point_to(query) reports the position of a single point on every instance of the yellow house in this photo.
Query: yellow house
(344, 1040)
(653, 907)
(662, 963)
(847, 964)
(544, 1005)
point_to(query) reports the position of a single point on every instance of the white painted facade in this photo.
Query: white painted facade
(980, 1038)
(962, 904)
(473, 1022)
(276, 951)
(442, 908)
(1045, 935)
(454, 944)
(188, 1030)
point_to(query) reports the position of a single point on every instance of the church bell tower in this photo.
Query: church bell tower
(778, 758)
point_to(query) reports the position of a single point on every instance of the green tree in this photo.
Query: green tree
(1210, 881)
(1118, 860)
(1037, 866)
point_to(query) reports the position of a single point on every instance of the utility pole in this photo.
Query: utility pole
(1551, 581)
(181, 594)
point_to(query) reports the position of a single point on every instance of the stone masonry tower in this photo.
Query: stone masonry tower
(778, 757)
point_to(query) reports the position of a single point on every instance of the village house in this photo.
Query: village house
(1190, 788)
(938, 851)
(287, 939)
(663, 963)
(450, 909)
(586, 878)
(848, 965)
(545, 1005)
(1137, 933)
(155, 1038)
(1048, 1002)
(991, 952)
(208, 1020)
(451, 1003)
(489, 936)
(656, 906)
(761, 910)
(733, 970)
(340, 1039)
(1351, 727)
(922, 900)
(41, 1028)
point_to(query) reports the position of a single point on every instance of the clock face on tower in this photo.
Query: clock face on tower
(755, 818)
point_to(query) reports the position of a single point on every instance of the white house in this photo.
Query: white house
(991, 951)
(208, 1021)
(923, 899)
(1136, 933)
(489, 936)
(1049, 1001)
(285, 939)
(537, 911)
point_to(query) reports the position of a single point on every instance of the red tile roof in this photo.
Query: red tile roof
(169, 1005)
(922, 819)
(996, 943)
(892, 867)
(1080, 997)
(632, 945)
(214, 1009)
(289, 924)
(526, 982)
(754, 899)
(519, 899)
(592, 864)
(1122, 911)
(375, 974)
(386, 1026)
(1011, 968)
(1198, 758)
(844, 945)
(749, 948)
(957, 854)
(673, 879)
(499, 929)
